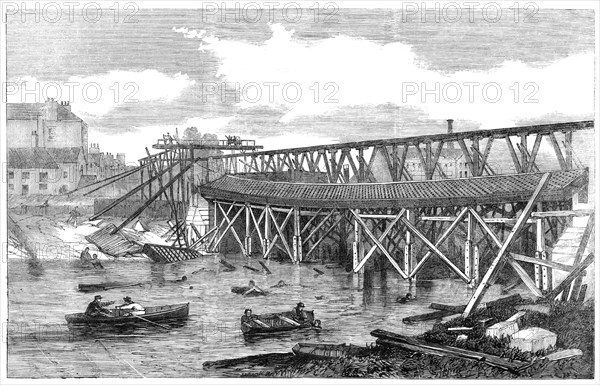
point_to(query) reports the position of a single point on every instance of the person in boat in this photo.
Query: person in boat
(298, 312)
(248, 316)
(129, 304)
(96, 262)
(85, 256)
(97, 308)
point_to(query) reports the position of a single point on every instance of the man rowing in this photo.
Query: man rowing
(299, 313)
(136, 308)
(97, 308)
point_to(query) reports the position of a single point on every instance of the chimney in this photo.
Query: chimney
(450, 144)
(94, 149)
(34, 139)
(51, 109)
(66, 105)
(121, 158)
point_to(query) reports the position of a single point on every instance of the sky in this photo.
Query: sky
(291, 78)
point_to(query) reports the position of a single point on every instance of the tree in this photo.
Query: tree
(191, 133)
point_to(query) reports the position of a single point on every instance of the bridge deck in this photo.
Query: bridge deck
(431, 193)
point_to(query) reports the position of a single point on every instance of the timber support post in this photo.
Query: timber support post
(267, 232)
(408, 249)
(248, 238)
(500, 259)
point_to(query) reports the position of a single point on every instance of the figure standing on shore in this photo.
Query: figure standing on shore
(74, 216)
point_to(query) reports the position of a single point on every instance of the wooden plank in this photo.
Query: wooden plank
(410, 342)
(562, 213)
(524, 277)
(577, 271)
(589, 228)
(562, 354)
(450, 308)
(467, 154)
(264, 266)
(534, 152)
(513, 155)
(499, 260)
(428, 316)
(541, 262)
(557, 151)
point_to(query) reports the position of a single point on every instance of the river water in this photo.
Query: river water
(349, 307)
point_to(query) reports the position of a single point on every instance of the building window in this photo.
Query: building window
(65, 174)
(25, 175)
(43, 186)
(43, 177)
(11, 175)
(25, 189)
(51, 133)
(11, 186)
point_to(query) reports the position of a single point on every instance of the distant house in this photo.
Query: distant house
(104, 165)
(44, 170)
(48, 125)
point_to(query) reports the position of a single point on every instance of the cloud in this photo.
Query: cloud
(97, 95)
(148, 135)
(351, 72)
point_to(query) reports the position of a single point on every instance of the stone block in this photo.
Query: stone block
(533, 339)
(501, 329)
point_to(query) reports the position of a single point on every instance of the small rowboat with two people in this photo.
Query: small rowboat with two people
(117, 317)
(278, 322)
(311, 350)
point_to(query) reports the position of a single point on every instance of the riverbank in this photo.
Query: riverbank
(572, 322)
(50, 237)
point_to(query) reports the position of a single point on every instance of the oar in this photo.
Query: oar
(153, 323)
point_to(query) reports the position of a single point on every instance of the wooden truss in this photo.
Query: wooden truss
(355, 162)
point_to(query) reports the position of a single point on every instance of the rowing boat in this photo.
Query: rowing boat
(278, 322)
(311, 350)
(119, 317)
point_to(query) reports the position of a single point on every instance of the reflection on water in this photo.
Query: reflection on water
(349, 306)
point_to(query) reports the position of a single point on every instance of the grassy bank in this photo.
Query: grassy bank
(572, 322)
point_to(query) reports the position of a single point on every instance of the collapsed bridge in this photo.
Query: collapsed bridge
(474, 201)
